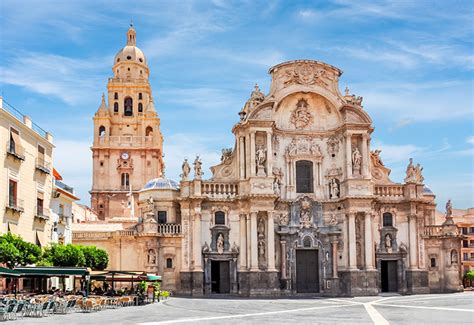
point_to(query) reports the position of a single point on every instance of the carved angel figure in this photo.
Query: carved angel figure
(375, 156)
(356, 160)
(278, 176)
(226, 155)
(410, 172)
(186, 169)
(418, 176)
(449, 209)
(198, 168)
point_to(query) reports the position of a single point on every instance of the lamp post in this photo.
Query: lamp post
(88, 278)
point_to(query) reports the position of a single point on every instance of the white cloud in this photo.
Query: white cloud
(470, 139)
(392, 153)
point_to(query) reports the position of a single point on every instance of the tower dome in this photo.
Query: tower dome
(130, 53)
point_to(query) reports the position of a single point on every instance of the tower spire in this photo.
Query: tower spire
(131, 36)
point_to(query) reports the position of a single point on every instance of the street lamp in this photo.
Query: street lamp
(88, 278)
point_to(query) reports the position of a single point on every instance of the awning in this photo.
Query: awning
(51, 271)
(4, 272)
(57, 175)
(153, 277)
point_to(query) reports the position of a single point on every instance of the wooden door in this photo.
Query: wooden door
(224, 277)
(307, 271)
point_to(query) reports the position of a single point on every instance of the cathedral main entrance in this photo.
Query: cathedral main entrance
(307, 271)
(220, 277)
(389, 276)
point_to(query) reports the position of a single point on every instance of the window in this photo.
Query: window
(40, 154)
(471, 230)
(101, 131)
(101, 164)
(471, 243)
(464, 230)
(433, 262)
(12, 193)
(148, 131)
(128, 106)
(125, 180)
(465, 244)
(472, 256)
(14, 141)
(115, 107)
(465, 257)
(115, 96)
(61, 210)
(169, 263)
(304, 176)
(140, 107)
(39, 204)
(219, 218)
(140, 96)
(161, 216)
(387, 219)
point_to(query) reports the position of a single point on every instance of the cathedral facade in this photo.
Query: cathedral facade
(300, 204)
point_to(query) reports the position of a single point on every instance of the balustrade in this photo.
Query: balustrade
(389, 190)
(219, 190)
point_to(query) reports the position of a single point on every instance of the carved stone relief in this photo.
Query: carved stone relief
(306, 74)
(333, 146)
(301, 117)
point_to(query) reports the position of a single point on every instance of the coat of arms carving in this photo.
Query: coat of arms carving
(301, 117)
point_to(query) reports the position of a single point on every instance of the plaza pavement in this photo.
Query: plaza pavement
(455, 308)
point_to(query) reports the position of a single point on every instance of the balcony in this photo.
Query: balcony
(43, 166)
(125, 188)
(125, 141)
(15, 205)
(433, 231)
(15, 150)
(219, 190)
(41, 214)
(391, 191)
(169, 228)
(63, 186)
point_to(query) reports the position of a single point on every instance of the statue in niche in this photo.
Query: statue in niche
(151, 256)
(186, 169)
(388, 243)
(356, 161)
(454, 257)
(198, 168)
(333, 188)
(261, 248)
(333, 221)
(277, 181)
(301, 117)
(260, 159)
(284, 219)
(306, 218)
(261, 228)
(206, 248)
(220, 243)
(292, 148)
(417, 174)
(410, 173)
(449, 209)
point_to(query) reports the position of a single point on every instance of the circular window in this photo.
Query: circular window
(128, 69)
(129, 57)
(118, 60)
(140, 59)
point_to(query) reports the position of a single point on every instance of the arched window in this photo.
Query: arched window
(116, 96)
(148, 131)
(128, 106)
(169, 263)
(219, 218)
(387, 219)
(140, 96)
(140, 107)
(125, 180)
(101, 131)
(116, 107)
(304, 176)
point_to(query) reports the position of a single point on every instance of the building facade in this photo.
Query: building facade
(127, 148)
(300, 204)
(26, 178)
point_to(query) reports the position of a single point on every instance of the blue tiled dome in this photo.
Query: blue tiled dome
(427, 191)
(161, 184)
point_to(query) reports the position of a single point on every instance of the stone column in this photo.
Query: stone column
(334, 258)
(365, 156)
(270, 242)
(413, 241)
(369, 242)
(252, 154)
(269, 154)
(248, 239)
(253, 242)
(197, 242)
(352, 242)
(348, 154)
(283, 259)
(243, 243)
(242, 157)
(247, 156)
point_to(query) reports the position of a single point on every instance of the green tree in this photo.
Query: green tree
(95, 258)
(64, 255)
(15, 251)
(9, 254)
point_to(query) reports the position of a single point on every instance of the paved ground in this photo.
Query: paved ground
(419, 309)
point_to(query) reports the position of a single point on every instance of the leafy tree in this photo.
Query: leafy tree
(15, 251)
(101, 259)
(64, 255)
(95, 258)
(469, 276)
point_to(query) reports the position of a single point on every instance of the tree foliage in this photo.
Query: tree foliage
(95, 258)
(469, 276)
(14, 251)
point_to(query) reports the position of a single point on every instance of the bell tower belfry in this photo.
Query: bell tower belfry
(128, 144)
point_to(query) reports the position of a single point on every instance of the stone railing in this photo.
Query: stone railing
(433, 231)
(219, 190)
(88, 235)
(169, 228)
(389, 190)
(124, 141)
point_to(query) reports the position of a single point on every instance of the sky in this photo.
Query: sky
(412, 61)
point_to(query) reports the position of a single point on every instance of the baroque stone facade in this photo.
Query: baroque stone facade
(300, 205)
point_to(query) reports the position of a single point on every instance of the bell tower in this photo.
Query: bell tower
(128, 144)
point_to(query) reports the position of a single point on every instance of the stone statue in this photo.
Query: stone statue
(356, 160)
(226, 155)
(375, 157)
(333, 188)
(220, 244)
(417, 174)
(261, 228)
(151, 256)
(410, 172)
(186, 169)
(388, 243)
(198, 168)
(256, 96)
(261, 248)
(150, 205)
(205, 248)
(305, 214)
(449, 209)
(301, 117)
(292, 148)
(277, 181)
(454, 257)
(235, 248)
(260, 159)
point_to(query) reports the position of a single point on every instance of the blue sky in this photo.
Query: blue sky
(412, 61)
